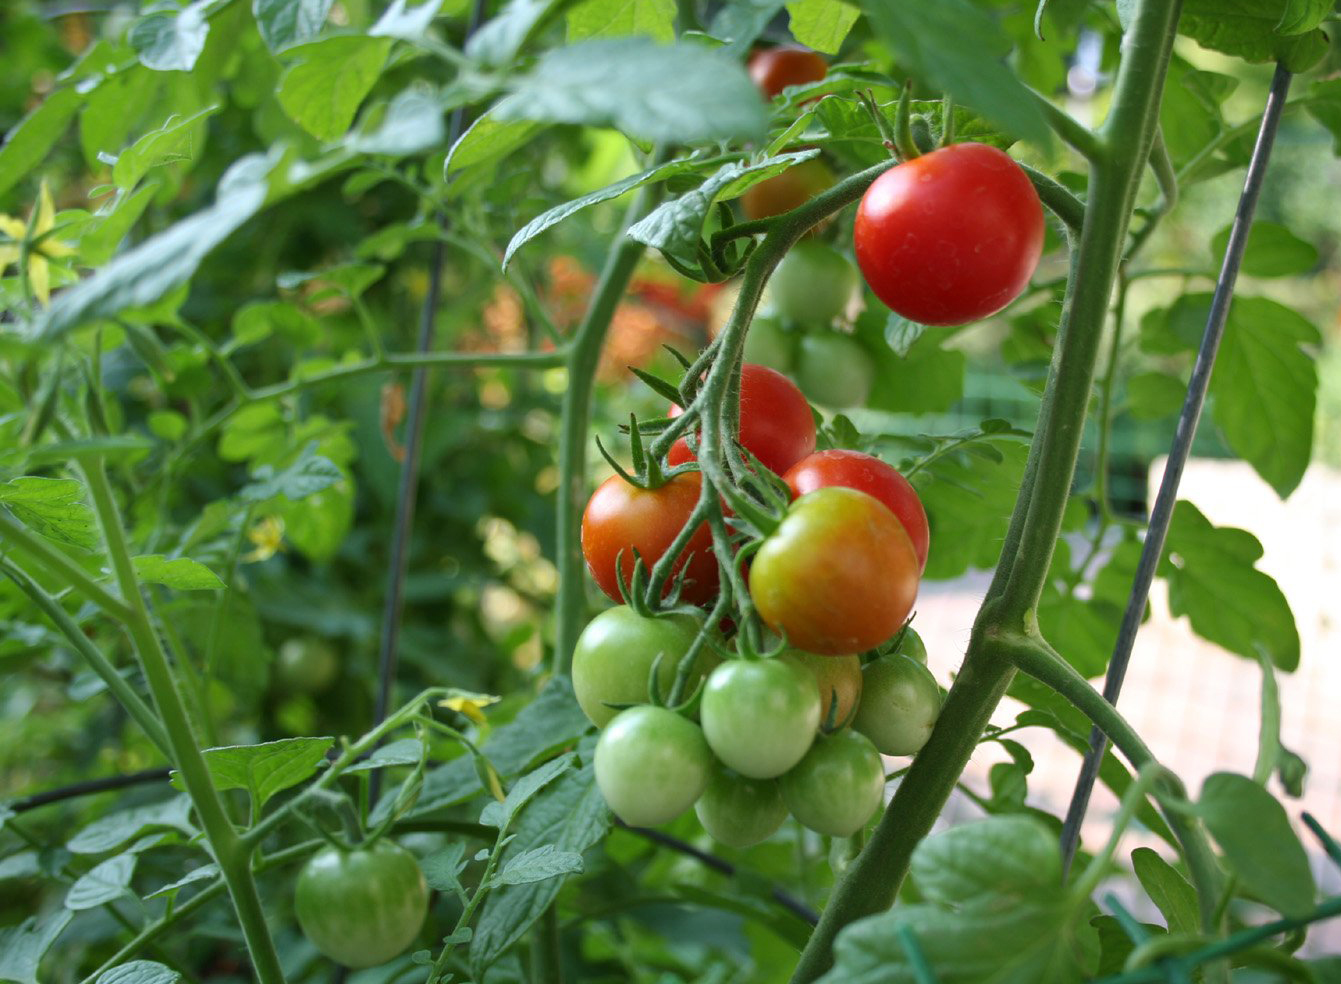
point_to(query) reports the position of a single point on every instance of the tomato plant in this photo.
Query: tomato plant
(613, 660)
(834, 370)
(740, 812)
(838, 786)
(813, 284)
(776, 425)
(839, 574)
(951, 236)
(621, 518)
(899, 704)
(866, 473)
(760, 716)
(651, 765)
(773, 69)
(786, 191)
(361, 907)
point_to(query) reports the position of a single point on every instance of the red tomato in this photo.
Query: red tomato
(622, 517)
(838, 575)
(951, 236)
(773, 69)
(776, 425)
(865, 473)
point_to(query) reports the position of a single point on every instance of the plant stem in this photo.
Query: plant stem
(57, 563)
(229, 852)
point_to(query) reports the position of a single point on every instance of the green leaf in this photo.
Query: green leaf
(23, 946)
(1190, 114)
(739, 23)
(402, 21)
(499, 41)
(1259, 30)
(322, 91)
(548, 219)
(1154, 395)
(1169, 890)
(1009, 857)
(178, 573)
(1259, 845)
(406, 751)
(286, 22)
(538, 864)
(266, 769)
(54, 507)
(1324, 105)
(142, 275)
(1265, 389)
(104, 882)
(442, 869)
(653, 19)
(498, 814)
(569, 816)
(1273, 251)
(487, 140)
(821, 24)
(28, 142)
(138, 972)
(674, 227)
(926, 378)
(1230, 602)
(308, 474)
(171, 42)
(205, 871)
(116, 829)
(178, 139)
(955, 46)
(104, 237)
(674, 93)
(412, 124)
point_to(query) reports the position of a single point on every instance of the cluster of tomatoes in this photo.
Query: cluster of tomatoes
(801, 731)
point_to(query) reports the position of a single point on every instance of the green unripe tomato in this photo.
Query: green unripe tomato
(813, 284)
(838, 679)
(838, 786)
(361, 908)
(912, 646)
(760, 716)
(651, 765)
(834, 370)
(306, 666)
(740, 812)
(612, 662)
(899, 704)
(768, 343)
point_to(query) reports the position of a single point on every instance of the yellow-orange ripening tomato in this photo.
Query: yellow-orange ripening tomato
(788, 190)
(838, 575)
(773, 69)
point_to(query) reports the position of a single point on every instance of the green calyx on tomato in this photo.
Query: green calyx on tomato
(621, 518)
(838, 786)
(834, 370)
(865, 473)
(740, 812)
(614, 655)
(838, 575)
(651, 765)
(813, 284)
(900, 701)
(363, 907)
(950, 237)
(759, 716)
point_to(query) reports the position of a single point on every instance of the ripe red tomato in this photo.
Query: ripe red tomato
(839, 574)
(951, 236)
(788, 190)
(622, 517)
(773, 69)
(776, 425)
(865, 473)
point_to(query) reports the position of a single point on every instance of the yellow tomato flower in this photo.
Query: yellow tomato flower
(268, 536)
(41, 246)
(471, 705)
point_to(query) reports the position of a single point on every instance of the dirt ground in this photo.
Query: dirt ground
(1196, 704)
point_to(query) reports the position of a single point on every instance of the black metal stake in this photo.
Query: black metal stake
(1178, 454)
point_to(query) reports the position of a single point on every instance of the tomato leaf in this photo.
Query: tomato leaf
(115, 829)
(538, 864)
(138, 972)
(1169, 890)
(104, 882)
(23, 946)
(322, 90)
(194, 875)
(266, 769)
(53, 507)
(171, 42)
(1259, 30)
(622, 18)
(821, 24)
(28, 142)
(1259, 845)
(1002, 859)
(498, 814)
(308, 474)
(178, 573)
(286, 22)
(1273, 251)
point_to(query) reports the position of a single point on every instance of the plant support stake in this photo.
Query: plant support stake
(1186, 430)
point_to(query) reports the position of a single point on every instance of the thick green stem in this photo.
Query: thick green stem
(576, 409)
(229, 852)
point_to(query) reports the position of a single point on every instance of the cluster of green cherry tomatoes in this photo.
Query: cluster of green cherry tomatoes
(799, 729)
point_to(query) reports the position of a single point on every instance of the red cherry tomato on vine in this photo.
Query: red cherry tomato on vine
(773, 69)
(788, 190)
(363, 907)
(776, 425)
(622, 517)
(951, 236)
(839, 574)
(865, 473)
